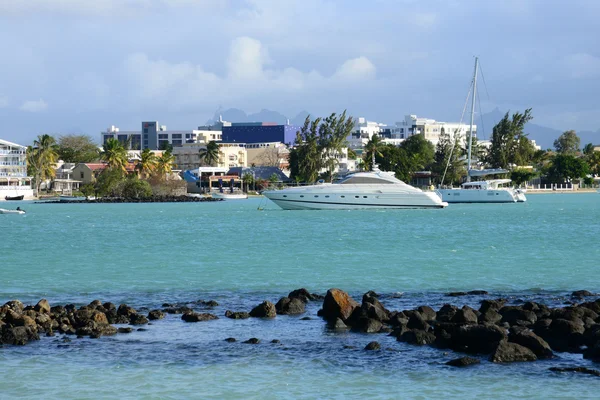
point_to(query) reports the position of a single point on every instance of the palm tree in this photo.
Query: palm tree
(247, 179)
(147, 163)
(372, 149)
(164, 163)
(114, 154)
(210, 154)
(42, 158)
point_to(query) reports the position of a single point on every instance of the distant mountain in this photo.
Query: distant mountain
(542, 135)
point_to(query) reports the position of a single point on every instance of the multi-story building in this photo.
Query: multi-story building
(258, 132)
(14, 181)
(430, 129)
(155, 137)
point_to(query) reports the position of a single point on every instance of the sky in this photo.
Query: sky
(79, 66)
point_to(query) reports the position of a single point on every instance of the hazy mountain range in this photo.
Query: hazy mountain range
(543, 136)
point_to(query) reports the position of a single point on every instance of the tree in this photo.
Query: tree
(521, 175)
(210, 154)
(77, 149)
(332, 139)
(420, 152)
(114, 154)
(273, 179)
(135, 188)
(593, 161)
(306, 158)
(447, 164)
(164, 163)
(372, 150)
(87, 190)
(166, 146)
(508, 141)
(247, 180)
(588, 149)
(147, 163)
(107, 183)
(41, 159)
(567, 143)
(566, 167)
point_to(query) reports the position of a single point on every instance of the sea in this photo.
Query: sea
(243, 252)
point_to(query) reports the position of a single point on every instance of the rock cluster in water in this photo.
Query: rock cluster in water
(503, 333)
(152, 199)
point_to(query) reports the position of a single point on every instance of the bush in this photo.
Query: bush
(135, 188)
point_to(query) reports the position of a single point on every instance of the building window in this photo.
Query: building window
(81, 175)
(176, 142)
(176, 136)
(163, 136)
(145, 130)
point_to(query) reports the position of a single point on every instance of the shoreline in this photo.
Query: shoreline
(542, 191)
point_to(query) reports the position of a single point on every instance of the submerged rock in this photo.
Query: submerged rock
(581, 370)
(198, 317)
(266, 309)
(373, 346)
(237, 314)
(463, 362)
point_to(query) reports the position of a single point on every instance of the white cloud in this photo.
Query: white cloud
(3, 101)
(34, 106)
(582, 65)
(247, 78)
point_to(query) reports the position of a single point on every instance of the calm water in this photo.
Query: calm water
(148, 254)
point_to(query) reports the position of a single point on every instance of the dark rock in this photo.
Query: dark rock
(237, 314)
(301, 294)
(349, 347)
(581, 293)
(125, 330)
(125, 310)
(198, 317)
(275, 341)
(370, 293)
(417, 337)
(209, 303)
(477, 292)
(476, 339)
(456, 294)
(512, 315)
(532, 341)
(141, 329)
(178, 310)
(465, 315)
(17, 335)
(373, 346)
(581, 370)
(592, 305)
(338, 304)
(289, 306)
(416, 321)
(446, 313)
(156, 314)
(491, 305)
(463, 362)
(305, 319)
(42, 306)
(490, 316)
(252, 341)
(15, 305)
(427, 313)
(138, 319)
(511, 352)
(367, 325)
(398, 319)
(592, 353)
(338, 324)
(374, 309)
(266, 309)
(230, 340)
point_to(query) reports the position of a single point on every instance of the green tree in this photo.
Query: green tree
(166, 146)
(164, 164)
(332, 139)
(114, 154)
(567, 143)
(87, 190)
(372, 150)
(306, 157)
(566, 167)
(588, 149)
(521, 175)
(508, 146)
(593, 161)
(247, 180)
(41, 159)
(109, 182)
(135, 188)
(447, 164)
(147, 163)
(210, 154)
(273, 179)
(77, 149)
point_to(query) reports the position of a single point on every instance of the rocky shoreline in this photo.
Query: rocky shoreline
(152, 199)
(496, 332)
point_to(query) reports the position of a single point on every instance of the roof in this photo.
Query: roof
(7, 143)
(259, 172)
(130, 167)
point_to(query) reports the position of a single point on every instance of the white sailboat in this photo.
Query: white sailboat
(483, 191)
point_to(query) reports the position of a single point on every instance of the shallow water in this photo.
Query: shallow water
(149, 254)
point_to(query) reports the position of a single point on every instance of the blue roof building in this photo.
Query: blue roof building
(259, 132)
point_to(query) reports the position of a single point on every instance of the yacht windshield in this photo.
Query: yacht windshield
(365, 180)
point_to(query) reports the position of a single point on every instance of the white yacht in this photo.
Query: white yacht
(360, 190)
(485, 191)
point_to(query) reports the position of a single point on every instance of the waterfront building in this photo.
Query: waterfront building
(232, 155)
(430, 129)
(88, 172)
(14, 181)
(258, 132)
(154, 136)
(63, 179)
(272, 154)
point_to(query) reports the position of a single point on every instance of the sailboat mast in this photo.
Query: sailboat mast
(472, 118)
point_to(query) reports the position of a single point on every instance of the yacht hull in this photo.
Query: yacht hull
(294, 201)
(479, 196)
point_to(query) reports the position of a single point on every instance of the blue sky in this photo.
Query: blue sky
(81, 66)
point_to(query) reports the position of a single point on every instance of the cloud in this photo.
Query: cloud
(34, 106)
(3, 102)
(582, 65)
(247, 78)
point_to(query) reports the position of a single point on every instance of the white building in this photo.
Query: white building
(430, 129)
(14, 181)
(154, 136)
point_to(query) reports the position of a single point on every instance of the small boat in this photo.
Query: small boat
(230, 196)
(14, 197)
(5, 211)
(72, 198)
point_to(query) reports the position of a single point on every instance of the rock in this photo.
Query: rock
(266, 309)
(582, 370)
(275, 341)
(15, 305)
(338, 324)
(338, 304)
(198, 317)
(138, 319)
(367, 325)
(398, 319)
(17, 335)
(511, 352)
(465, 315)
(491, 305)
(476, 339)
(125, 330)
(305, 319)
(301, 294)
(289, 306)
(373, 346)
(237, 314)
(592, 353)
(490, 316)
(456, 294)
(463, 362)
(125, 310)
(416, 321)
(427, 313)
(446, 313)
(581, 293)
(374, 309)
(417, 337)
(156, 314)
(564, 335)
(477, 293)
(230, 340)
(518, 316)
(178, 310)
(252, 341)
(42, 306)
(532, 341)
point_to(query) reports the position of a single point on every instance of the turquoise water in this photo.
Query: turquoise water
(148, 254)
